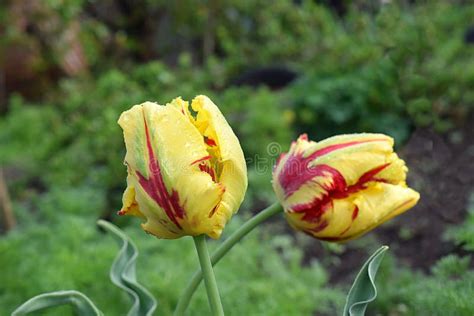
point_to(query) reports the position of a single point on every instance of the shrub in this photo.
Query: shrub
(76, 255)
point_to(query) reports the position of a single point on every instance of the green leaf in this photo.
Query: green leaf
(123, 273)
(82, 304)
(363, 290)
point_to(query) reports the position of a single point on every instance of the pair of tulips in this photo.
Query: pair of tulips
(187, 175)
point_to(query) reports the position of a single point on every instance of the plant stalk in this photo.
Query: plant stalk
(209, 278)
(246, 228)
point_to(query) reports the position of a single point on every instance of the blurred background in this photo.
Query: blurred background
(68, 68)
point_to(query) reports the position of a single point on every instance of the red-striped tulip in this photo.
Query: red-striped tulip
(186, 173)
(342, 187)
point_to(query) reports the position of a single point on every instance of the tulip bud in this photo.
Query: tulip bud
(342, 187)
(186, 172)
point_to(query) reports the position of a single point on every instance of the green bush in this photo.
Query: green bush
(389, 68)
(389, 71)
(73, 139)
(74, 254)
(448, 288)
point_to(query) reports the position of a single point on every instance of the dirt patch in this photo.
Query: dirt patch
(442, 169)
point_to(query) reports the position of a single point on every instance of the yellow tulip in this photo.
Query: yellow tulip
(342, 187)
(186, 172)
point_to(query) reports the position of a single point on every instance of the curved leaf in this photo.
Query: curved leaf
(81, 303)
(123, 273)
(363, 290)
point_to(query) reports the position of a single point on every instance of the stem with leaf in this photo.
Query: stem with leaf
(247, 227)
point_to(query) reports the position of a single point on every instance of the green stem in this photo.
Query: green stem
(209, 278)
(247, 227)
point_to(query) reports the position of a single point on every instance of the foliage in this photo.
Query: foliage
(385, 70)
(389, 72)
(463, 234)
(78, 301)
(124, 275)
(388, 68)
(77, 255)
(449, 287)
(363, 291)
(75, 128)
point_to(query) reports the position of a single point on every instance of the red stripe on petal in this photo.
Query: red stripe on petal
(314, 210)
(355, 212)
(296, 171)
(155, 186)
(329, 149)
(174, 201)
(200, 160)
(370, 175)
(336, 189)
(210, 142)
(209, 170)
(361, 183)
(320, 227)
(214, 209)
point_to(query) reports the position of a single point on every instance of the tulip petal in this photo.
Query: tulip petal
(378, 204)
(163, 173)
(354, 161)
(224, 145)
(348, 218)
(341, 187)
(130, 205)
(351, 155)
(337, 143)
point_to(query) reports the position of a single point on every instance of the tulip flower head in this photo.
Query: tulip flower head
(186, 171)
(342, 187)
